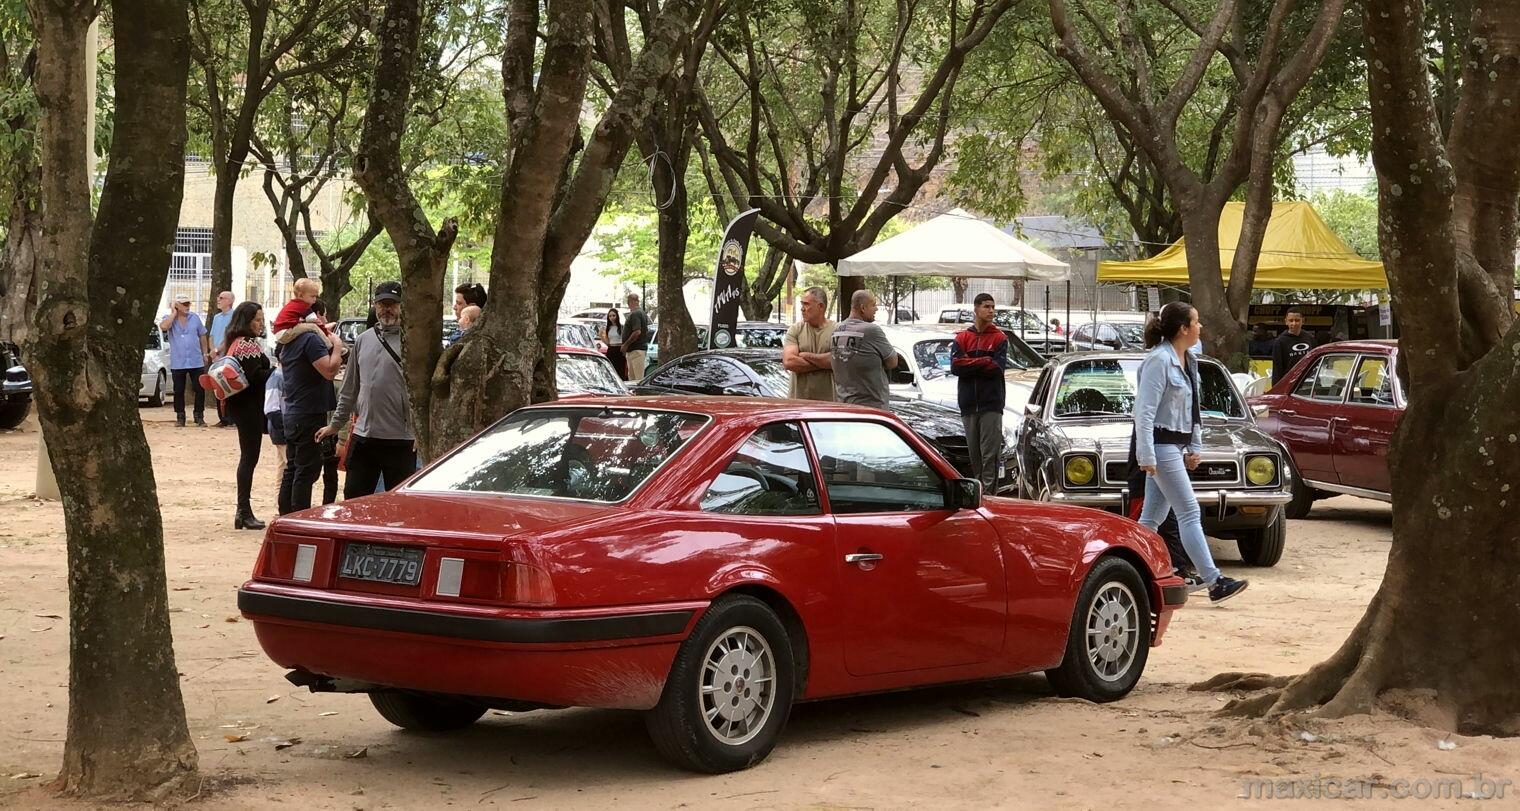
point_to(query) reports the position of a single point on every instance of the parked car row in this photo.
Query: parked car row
(16, 389)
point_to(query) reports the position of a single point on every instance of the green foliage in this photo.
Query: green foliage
(1353, 217)
(630, 250)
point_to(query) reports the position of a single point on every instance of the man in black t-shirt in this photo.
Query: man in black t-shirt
(1291, 346)
(635, 338)
(309, 364)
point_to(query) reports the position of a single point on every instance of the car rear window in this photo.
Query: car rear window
(590, 454)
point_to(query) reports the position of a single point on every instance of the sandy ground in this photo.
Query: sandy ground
(1006, 743)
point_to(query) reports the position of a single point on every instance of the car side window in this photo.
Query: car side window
(1329, 379)
(868, 468)
(1374, 385)
(1083, 333)
(769, 475)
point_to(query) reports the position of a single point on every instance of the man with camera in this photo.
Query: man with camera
(374, 388)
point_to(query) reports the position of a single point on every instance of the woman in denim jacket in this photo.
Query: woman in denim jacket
(1169, 437)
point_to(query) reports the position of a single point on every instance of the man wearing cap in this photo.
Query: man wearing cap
(382, 442)
(189, 352)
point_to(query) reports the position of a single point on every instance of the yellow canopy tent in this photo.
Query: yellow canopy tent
(1299, 251)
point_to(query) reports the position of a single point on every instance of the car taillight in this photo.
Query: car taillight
(295, 559)
(526, 580)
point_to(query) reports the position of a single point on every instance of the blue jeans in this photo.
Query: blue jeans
(1171, 490)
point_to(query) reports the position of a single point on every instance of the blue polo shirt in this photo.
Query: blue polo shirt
(185, 342)
(219, 324)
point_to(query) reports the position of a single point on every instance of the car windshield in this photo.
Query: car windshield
(1100, 387)
(1131, 334)
(1017, 319)
(583, 374)
(760, 337)
(774, 377)
(933, 356)
(591, 454)
(575, 335)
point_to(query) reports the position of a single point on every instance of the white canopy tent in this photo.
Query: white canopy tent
(956, 244)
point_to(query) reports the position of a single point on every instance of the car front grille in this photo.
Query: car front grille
(1223, 472)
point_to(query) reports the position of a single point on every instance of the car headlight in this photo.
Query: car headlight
(1081, 470)
(1261, 470)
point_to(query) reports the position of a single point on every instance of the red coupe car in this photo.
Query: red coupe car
(1336, 411)
(709, 560)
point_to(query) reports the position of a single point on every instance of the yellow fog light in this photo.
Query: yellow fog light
(1261, 470)
(1080, 470)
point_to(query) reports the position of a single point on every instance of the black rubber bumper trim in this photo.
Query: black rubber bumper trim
(1174, 595)
(484, 629)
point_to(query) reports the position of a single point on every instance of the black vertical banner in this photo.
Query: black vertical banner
(728, 281)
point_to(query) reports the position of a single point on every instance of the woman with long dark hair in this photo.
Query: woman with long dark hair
(612, 335)
(1169, 437)
(246, 408)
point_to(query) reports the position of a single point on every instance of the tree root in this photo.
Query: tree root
(1345, 684)
(1240, 681)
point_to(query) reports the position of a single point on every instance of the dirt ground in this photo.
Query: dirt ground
(1007, 743)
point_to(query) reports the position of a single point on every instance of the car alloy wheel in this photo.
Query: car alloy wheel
(1110, 634)
(729, 691)
(1113, 631)
(738, 687)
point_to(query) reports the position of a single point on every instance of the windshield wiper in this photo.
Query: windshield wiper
(1092, 414)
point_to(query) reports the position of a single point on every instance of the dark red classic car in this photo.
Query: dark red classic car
(1336, 411)
(709, 560)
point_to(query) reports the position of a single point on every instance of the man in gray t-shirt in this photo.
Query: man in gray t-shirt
(862, 355)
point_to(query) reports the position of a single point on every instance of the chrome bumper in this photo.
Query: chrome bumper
(1218, 499)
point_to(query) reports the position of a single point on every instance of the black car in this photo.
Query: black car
(759, 373)
(16, 395)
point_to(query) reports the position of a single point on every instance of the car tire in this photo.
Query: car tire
(426, 712)
(156, 399)
(1264, 547)
(739, 635)
(1114, 605)
(13, 414)
(1303, 499)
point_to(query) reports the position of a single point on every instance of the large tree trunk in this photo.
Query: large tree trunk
(223, 201)
(423, 253)
(678, 333)
(1443, 621)
(1223, 334)
(127, 738)
(19, 263)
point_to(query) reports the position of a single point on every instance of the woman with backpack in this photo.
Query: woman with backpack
(245, 407)
(1169, 437)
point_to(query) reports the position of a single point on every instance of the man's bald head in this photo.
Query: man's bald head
(863, 305)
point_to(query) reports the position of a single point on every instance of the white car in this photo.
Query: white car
(155, 368)
(926, 349)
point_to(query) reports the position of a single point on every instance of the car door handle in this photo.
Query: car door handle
(862, 557)
(1287, 411)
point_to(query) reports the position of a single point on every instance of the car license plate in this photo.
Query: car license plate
(383, 564)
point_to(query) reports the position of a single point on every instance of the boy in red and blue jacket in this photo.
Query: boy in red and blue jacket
(978, 357)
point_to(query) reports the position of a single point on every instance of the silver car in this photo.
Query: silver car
(155, 368)
(1074, 442)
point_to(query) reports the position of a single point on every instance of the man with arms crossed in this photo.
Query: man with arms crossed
(978, 357)
(808, 351)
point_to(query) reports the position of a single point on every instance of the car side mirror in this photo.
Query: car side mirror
(1032, 410)
(1259, 410)
(963, 494)
(900, 374)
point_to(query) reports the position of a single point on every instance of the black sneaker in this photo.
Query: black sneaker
(179, 422)
(1191, 579)
(201, 423)
(1224, 588)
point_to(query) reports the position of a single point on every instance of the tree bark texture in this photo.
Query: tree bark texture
(19, 254)
(422, 252)
(1441, 626)
(127, 737)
